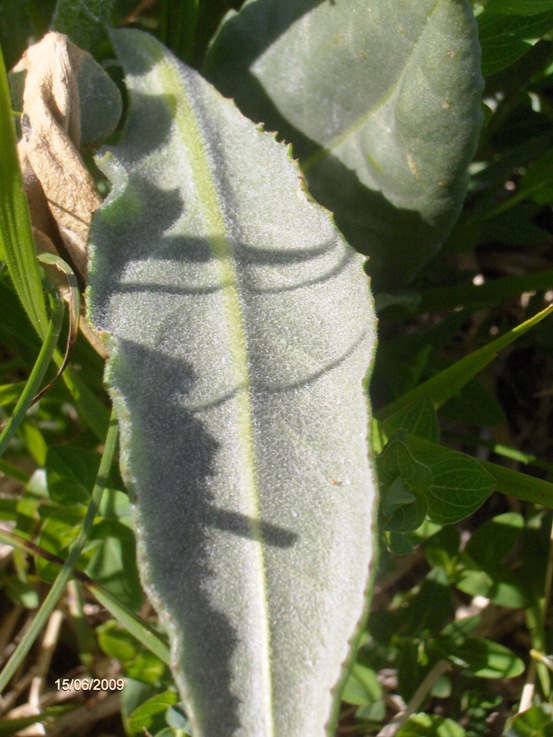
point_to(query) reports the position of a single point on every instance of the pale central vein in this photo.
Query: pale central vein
(189, 128)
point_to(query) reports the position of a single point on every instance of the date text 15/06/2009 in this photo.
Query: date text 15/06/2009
(89, 684)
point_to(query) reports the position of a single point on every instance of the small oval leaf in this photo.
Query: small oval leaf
(460, 485)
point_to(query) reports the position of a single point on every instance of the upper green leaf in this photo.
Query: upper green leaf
(505, 38)
(518, 7)
(84, 21)
(381, 101)
(242, 329)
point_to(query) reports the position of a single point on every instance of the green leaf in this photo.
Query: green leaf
(518, 7)
(146, 667)
(381, 101)
(71, 472)
(59, 529)
(505, 38)
(84, 21)
(482, 570)
(442, 548)
(242, 329)
(115, 504)
(399, 543)
(535, 722)
(143, 718)
(362, 686)
(99, 99)
(402, 362)
(412, 665)
(460, 485)
(32, 437)
(22, 593)
(138, 664)
(418, 419)
(422, 620)
(520, 485)
(15, 30)
(494, 540)
(405, 483)
(110, 561)
(91, 409)
(9, 727)
(10, 393)
(116, 642)
(429, 725)
(486, 659)
(457, 631)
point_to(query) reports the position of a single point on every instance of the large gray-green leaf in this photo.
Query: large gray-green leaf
(382, 103)
(243, 328)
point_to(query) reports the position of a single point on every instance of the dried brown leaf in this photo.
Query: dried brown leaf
(60, 188)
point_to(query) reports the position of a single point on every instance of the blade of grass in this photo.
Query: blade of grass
(448, 383)
(13, 472)
(179, 22)
(136, 626)
(64, 575)
(16, 236)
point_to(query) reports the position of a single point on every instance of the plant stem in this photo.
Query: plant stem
(417, 699)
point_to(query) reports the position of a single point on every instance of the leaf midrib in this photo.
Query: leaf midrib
(193, 141)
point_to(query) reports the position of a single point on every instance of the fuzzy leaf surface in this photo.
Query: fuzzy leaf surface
(381, 101)
(242, 329)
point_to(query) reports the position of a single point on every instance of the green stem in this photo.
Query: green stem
(64, 575)
(418, 698)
